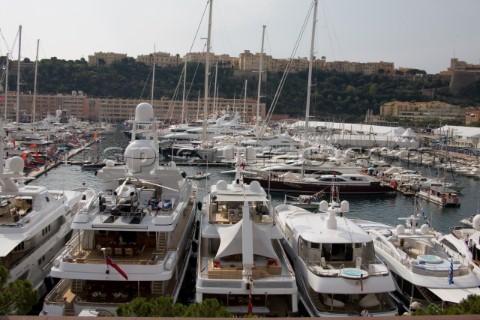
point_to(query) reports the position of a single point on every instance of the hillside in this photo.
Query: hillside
(339, 96)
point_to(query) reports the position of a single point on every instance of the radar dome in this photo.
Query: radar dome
(323, 207)
(228, 153)
(400, 229)
(222, 185)
(476, 222)
(15, 164)
(256, 187)
(424, 228)
(141, 156)
(109, 163)
(144, 112)
(251, 153)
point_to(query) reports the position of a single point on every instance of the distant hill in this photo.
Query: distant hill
(335, 95)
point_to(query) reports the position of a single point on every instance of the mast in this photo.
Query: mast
(245, 98)
(310, 67)
(183, 120)
(215, 92)
(207, 66)
(153, 77)
(34, 103)
(6, 85)
(18, 74)
(257, 118)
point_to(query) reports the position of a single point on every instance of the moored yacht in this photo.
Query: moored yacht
(137, 240)
(34, 223)
(241, 262)
(426, 266)
(334, 260)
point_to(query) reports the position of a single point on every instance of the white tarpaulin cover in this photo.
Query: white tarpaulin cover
(455, 295)
(231, 241)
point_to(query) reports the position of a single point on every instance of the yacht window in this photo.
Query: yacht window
(314, 245)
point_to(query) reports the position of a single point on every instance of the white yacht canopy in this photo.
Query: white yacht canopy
(231, 241)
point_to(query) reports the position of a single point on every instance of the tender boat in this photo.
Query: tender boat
(334, 261)
(306, 201)
(241, 262)
(137, 241)
(439, 195)
(199, 175)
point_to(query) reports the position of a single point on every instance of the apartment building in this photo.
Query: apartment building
(420, 111)
(105, 58)
(117, 110)
(161, 59)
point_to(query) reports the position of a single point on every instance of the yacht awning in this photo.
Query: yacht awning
(455, 295)
(231, 241)
(8, 242)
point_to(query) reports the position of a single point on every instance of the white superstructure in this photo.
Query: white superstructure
(334, 262)
(241, 262)
(143, 228)
(427, 267)
(34, 222)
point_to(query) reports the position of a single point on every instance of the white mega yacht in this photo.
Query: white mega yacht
(334, 262)
(427, 266)
(241, 262)
(34, 223)
(138, 241)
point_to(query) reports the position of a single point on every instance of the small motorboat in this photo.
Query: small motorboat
(199, 175)
(306, 201)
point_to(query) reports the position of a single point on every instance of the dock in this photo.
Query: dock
(53, 164)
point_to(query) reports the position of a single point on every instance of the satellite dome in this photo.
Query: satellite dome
(144, 112)
(222, 185)
(141, 156)
(15, 164)
(255, 186)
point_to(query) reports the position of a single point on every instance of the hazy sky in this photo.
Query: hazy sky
(423, 34)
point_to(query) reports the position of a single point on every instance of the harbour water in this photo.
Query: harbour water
(385, 209)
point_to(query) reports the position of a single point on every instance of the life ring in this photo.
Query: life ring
(444, 200)
(455, 200)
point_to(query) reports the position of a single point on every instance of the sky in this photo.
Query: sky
(421, 34)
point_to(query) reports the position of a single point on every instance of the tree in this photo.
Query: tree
(164, 307)
(470, 305)
(16, 298)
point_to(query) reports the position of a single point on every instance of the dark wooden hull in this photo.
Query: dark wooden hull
(314, 187)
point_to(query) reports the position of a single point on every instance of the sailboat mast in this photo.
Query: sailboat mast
(183, 120)
(207, 66)
(310, 67)
(260, 67)
(6, 85)
(17, 118)
(153, 77)
(34, 103)
(215, 93)
(245, 98)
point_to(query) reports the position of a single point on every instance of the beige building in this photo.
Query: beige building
(419, 111)
(161, 59)
(457, 65)
(117, 110)
(472, 115)
(105, 58)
